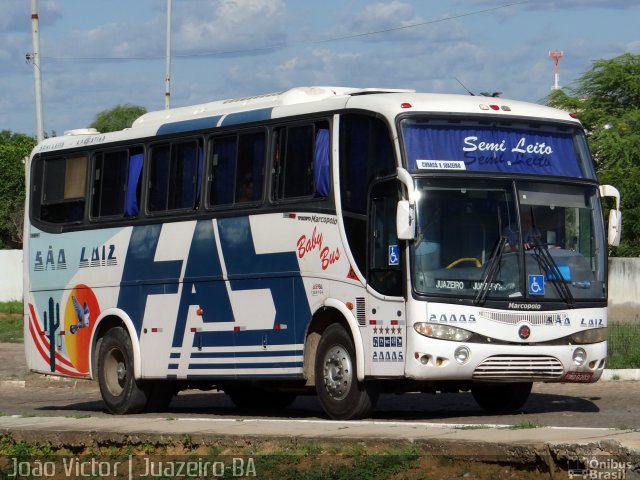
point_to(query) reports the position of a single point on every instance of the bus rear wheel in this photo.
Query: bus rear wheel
(120, 391)
(507, 397)
(340, 393)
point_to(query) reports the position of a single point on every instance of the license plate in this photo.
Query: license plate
(583, 377)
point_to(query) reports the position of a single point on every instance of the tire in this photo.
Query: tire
(120, 391)
(340, 393)
(257, 399)
(506, 398)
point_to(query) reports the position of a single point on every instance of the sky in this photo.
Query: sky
(97, 54)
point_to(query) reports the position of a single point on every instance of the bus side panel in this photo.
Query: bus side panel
(71, 278)
(210, 298)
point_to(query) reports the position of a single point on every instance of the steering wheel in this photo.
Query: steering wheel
(477, 262)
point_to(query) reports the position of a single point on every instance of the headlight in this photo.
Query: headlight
(442, 332)
(593, 335)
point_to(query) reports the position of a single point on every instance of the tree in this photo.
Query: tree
(607, 101)
(14, 149)
(119, 117)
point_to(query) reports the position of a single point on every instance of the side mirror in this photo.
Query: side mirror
(615, 215)
(406, 220)
(615, 227)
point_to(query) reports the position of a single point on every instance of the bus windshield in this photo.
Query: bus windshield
(501, 239)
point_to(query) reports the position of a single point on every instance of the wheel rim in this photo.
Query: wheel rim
(337, 372)
(115, 369)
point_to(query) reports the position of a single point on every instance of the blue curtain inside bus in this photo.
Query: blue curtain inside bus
(224, 169)
(490, 150)
(199, 174)
(135, 169)
(321, 163)
(257, 167)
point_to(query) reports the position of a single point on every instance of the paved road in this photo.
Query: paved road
(612, 404)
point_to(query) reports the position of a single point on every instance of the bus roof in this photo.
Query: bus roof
(301, 100)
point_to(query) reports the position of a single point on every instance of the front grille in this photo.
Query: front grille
(519, 367)
(532, 318)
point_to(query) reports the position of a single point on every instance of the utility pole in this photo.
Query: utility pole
(35, 58)
(167, 92)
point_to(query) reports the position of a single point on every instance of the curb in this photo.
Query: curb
(614, 374)
(547, 448)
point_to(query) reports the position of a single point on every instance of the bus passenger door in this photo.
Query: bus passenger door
(386, 321)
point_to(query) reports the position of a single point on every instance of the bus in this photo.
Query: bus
(343, 242)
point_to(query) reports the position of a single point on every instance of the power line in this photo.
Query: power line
(291, 44)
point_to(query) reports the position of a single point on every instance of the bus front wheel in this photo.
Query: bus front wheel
(340, 393)
(120, 391)
(507, 397)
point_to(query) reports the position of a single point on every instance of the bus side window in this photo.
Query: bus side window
(184, 175)
(301, 162)
(116, 179)
(250, 170)
(63, 181)
(222, 170)
(174, 176)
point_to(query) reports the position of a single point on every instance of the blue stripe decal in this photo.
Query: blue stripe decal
(174, 355)
(242, 366)
(143, 276)
(284, 353)
(247, 117)
(173, 366)
(189, 125)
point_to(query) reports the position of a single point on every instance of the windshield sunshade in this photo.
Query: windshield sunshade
(513, 149)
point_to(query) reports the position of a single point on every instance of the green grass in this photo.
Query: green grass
(11, 322)
(623, 345)
(11, 328)
(525, 426)
(294, 459)
(11, 307)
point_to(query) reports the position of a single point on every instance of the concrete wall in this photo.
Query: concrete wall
(10, 275)
(624, 290)
(624, 284)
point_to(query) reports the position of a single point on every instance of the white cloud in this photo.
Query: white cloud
(395, 21)
(230, 25)
(226, 26)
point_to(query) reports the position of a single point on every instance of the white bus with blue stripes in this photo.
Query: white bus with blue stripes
(334, 241)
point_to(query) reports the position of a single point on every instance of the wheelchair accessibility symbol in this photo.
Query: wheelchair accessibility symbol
(394, 255)
(536, 284)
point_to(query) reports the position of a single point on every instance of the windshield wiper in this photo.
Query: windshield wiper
(490, 270)
(549, 265)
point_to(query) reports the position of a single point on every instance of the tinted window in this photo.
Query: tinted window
(63, 189)
(301, 161)
(237, 169)
(174, 176)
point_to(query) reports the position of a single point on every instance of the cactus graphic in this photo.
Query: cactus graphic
(53, 324)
